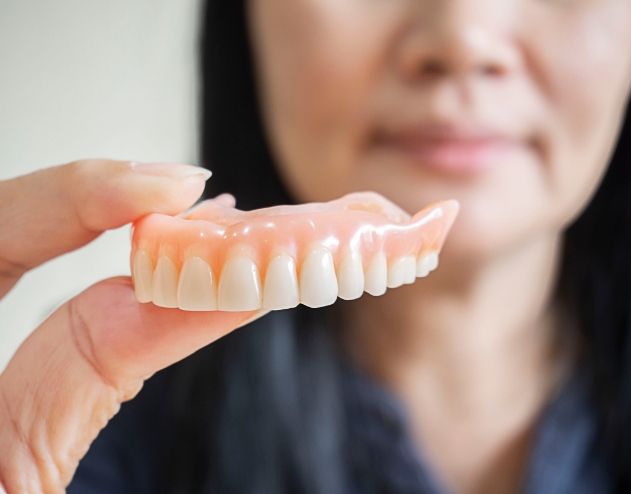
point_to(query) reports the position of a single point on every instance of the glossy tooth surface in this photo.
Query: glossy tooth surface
(318, 283)
(165, 283)
(350, 277)
(376, 275)
(239, 286)
(426, 263)
(402, 271)
(143, 277)
(196, 289)
(281, 284)
(409, 269)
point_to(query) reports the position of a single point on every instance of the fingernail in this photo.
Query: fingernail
(196, 171)
(176, 171)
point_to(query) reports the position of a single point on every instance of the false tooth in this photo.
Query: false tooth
(239, 286)
(143, 277)
(165, 283)
(318, 284)
(196, 289)
(281, 284)
(426, 263)
(402, 271)
(350, 276)
(376, 276)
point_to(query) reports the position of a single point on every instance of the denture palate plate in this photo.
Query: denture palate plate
(280, 290)
(426, 263)
(350, 277)
(143, 277)
(318, 282)
(197, 287)
(239, 286)
(402, 272)
(165, 279)
(376, 275)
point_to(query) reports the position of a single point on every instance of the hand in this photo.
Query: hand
(72, 373)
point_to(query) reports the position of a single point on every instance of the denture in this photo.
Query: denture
(216, 257)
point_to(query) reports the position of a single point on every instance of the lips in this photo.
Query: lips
(460, 150)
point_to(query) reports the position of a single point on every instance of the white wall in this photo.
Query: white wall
(90, 78)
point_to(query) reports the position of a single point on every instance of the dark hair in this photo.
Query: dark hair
(252, 385)
(595, 282)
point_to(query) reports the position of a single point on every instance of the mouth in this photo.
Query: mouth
(463, 150)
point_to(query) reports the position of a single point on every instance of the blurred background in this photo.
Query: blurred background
(96, 79)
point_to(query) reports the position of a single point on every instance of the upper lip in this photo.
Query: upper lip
(445, 133)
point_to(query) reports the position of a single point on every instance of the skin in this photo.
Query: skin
(73, 372)
(477, 349)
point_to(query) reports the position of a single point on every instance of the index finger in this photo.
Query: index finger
(56, 210)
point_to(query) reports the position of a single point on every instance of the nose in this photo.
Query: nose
(457, 38)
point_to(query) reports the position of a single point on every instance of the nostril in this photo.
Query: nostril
(433, 68)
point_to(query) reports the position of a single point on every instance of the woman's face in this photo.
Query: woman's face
(510, 106)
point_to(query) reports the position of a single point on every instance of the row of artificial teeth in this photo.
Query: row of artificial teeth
(240, 289)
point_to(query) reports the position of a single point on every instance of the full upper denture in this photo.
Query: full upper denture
(216, 257)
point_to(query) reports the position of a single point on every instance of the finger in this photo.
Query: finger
(226, 200)
(70, 376)
(56, 210)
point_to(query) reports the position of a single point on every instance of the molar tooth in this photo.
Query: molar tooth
(426, 263)
(350, 276)
(281, 284)
(143, 277)
(376, 276)
(239, 286)
(402, 271)
(165, 283)
(318, 284)
(196, 289)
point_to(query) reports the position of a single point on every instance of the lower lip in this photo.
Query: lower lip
(458, 157)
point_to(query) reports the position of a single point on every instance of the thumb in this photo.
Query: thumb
(71, 374)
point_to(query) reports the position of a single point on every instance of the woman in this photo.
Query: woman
(506, 370)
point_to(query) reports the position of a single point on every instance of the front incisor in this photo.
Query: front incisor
(196, 290)
(281, 284)
(239, 286)
(143, 277)
(350, 277)
(165, 283)
(318, 283)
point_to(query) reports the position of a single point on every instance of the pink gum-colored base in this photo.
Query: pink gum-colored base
(362, 222)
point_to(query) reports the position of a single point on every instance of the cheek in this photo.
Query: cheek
(584, 67)
(319, 62)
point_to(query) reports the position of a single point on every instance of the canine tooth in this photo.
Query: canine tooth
(196, 289)
(402, 271)
(165, 283)
(281, 284)
(376, 276)
(143, 277)
(426, 263)
(239, 286)
(318, 284)
(350, 277)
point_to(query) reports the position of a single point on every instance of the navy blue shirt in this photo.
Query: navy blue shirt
(566, 457)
